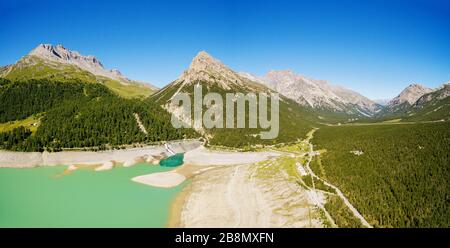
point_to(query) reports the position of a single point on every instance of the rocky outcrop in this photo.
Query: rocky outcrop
(410, 95)
(207, 70)
(89, 63)
(318, 94)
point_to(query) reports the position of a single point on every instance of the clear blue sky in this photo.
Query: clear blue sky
(374, 47)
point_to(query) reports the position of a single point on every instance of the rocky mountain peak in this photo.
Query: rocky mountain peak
(59, 53)
(415, 87)
(116, 72)
(204, 61)
(303, 90)
(277, 76)
(206, 69)
(203, 56)
(410, 94)
(445, 85)
(286, 72)
(289, 76)
(57, 62)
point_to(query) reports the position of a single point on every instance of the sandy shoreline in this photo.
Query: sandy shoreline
(199, 160)
(176, 207)
(204, 157)
(161, 179)
(231, 196)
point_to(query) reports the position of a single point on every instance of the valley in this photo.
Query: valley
(339, 160)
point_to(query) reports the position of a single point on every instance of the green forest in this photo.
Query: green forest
(402, 177)
(78, 115)
(22, 99)
(294, 120)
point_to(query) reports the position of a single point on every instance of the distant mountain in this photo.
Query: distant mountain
(404, 100)
(318, 94)
(59, 63)
(436, 95)
(418, 103)
(214, 76)
(382, 102)
(431, 106)
(409, 95)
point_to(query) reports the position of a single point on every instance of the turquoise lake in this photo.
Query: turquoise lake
(173, 161)
(46, 197)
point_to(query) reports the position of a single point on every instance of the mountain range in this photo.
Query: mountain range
(318, 94)
(417, 102)
(54, 83)
(59, 63)
(323, 97)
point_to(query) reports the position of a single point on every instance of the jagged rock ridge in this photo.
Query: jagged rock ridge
(410, 94)
(89, 63)
(318, 94)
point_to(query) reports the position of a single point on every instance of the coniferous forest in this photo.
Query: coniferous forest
(79, 115)
(401, 179)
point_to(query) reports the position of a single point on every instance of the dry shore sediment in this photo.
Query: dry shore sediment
(232, 196)
(161, 179)
(127, 157)
(204, 157)
(200, 160)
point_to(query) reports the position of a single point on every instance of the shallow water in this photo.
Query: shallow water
(45, 197)
(172, 161)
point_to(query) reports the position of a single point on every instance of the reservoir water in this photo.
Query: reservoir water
(172, 161)
(48, 197)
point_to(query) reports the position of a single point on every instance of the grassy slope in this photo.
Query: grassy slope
(36, 68)
(126, 91)
(29, 123)
(401, 180)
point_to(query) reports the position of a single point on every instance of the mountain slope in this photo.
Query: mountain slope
(213, 76)
(23, 99)
(403, 167)
(58, 63)
(75, 114)
(401, 103)
(417, 103)
(318, 94)
(431, 106)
